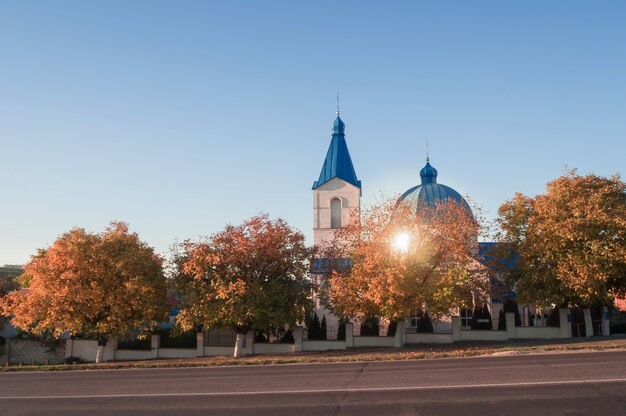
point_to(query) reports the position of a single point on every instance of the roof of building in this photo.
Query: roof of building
(429, 192)
(338, 163)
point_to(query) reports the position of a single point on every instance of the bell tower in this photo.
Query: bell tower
(337, 192)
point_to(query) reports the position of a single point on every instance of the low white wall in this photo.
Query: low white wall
(373, 341)
(215, 351)
(178, 353)
(483, 335)
(421, 338)
(537, 332)
(127, 355)
(322, 345)
(262, 348)
(85, 349)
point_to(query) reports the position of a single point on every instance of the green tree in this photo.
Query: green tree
(247, 277)
(569, 243)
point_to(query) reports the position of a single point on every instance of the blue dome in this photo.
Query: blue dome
(429, 192)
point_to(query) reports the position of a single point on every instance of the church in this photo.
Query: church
(337, 200)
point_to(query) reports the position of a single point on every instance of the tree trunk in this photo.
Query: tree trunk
(241, 336)
(102, 342)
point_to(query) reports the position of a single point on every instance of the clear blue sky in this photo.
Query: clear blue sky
(179, 117)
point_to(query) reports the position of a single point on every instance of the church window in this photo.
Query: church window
(335, 213)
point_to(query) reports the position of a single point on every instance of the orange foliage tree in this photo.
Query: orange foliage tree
(391, 262)
(570, 243)
(95, 285)
(250, 276)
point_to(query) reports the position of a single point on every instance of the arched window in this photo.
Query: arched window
(335, 213)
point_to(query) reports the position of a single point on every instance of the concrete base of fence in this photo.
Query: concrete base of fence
(86, 349)
(537, 332)
(263, 348)
(374, 341)
(323, 345)
(426, 338)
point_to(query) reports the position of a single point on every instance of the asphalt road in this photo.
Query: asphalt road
(553, 384)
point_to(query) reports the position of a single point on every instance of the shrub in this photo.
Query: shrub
(341, 330)
(425, 324)
(502, 320)
(554, 317)
(370, 327)
(73, 360)
(134, 344)
(287, 337)
(323, 329)
(175, 339)
(314, 328)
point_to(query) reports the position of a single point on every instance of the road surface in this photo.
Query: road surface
(550, 384)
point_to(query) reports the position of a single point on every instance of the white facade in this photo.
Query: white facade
(335, 192)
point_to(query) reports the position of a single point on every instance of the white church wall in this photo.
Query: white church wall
(350, 197)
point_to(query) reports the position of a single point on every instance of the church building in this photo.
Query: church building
(337, 201)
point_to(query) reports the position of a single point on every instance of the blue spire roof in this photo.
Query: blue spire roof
(338, 163)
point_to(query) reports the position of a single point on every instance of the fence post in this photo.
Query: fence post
(565, 322)
(511, 330)
(456, 328)
(588, 322)
(200, 344)
(109, 350)
(400, 337)
(297, 336)
(606, 330)
(249, 349)
(349, 335)
(155, 344)
(69, 347)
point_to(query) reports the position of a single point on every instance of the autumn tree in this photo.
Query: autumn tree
(247, 277)
(569, 243)
(102, 286)
(398, 262)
